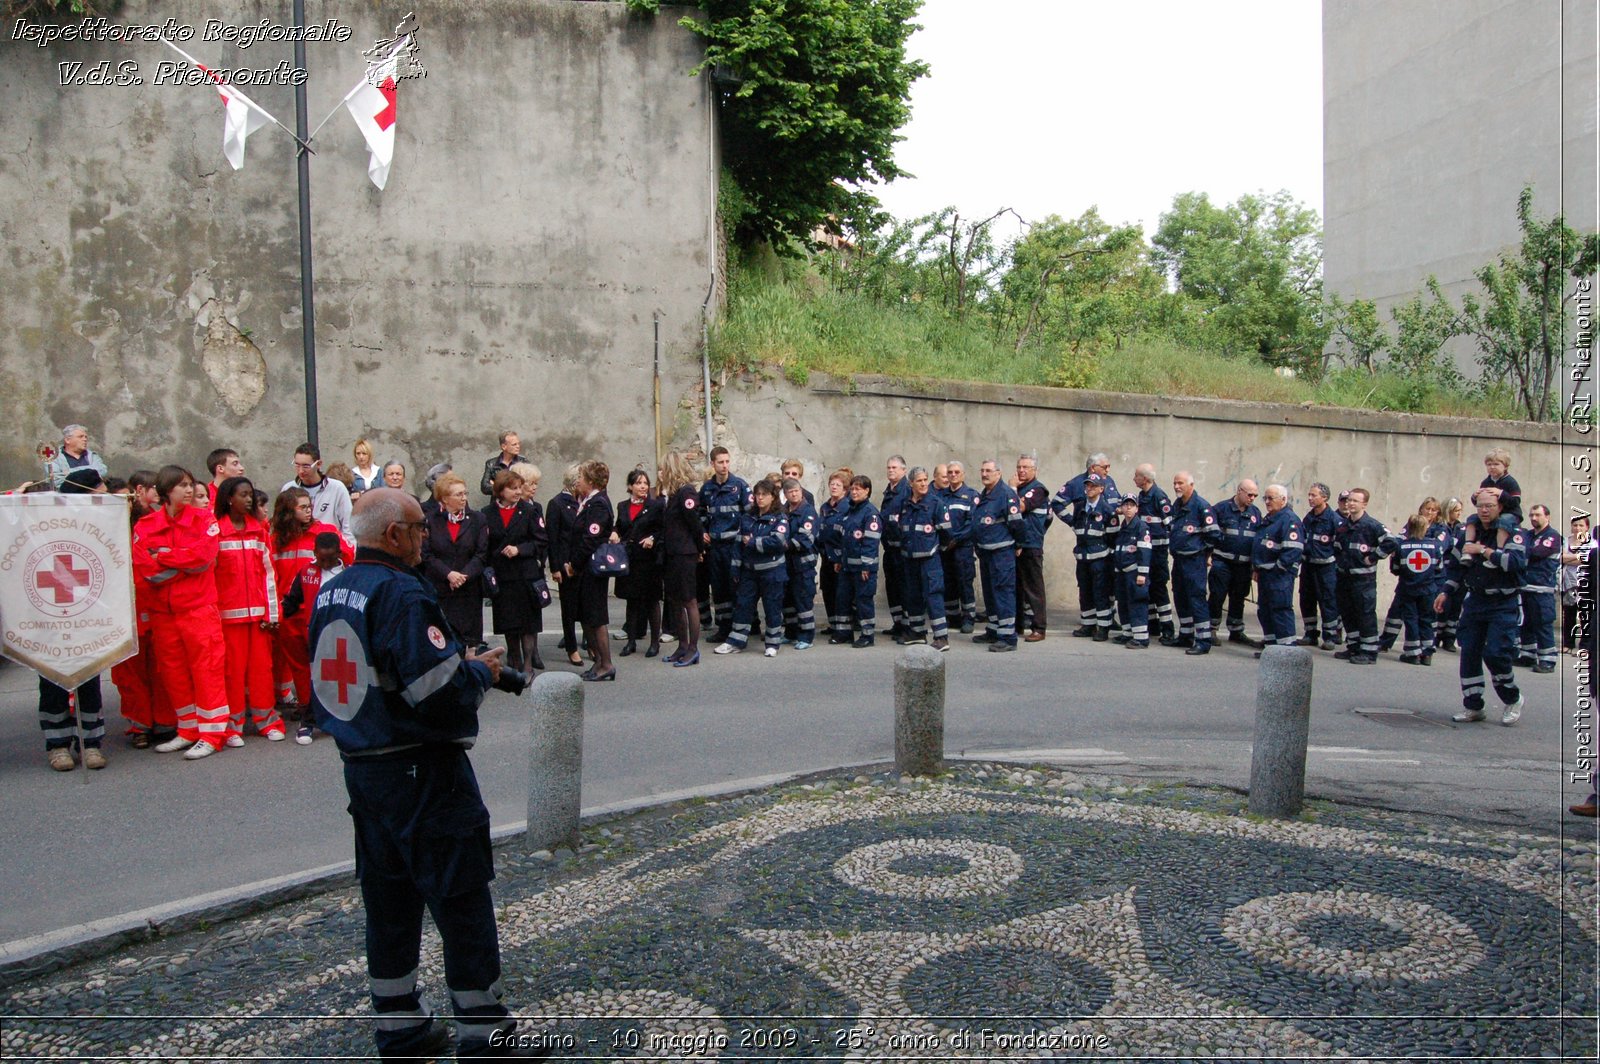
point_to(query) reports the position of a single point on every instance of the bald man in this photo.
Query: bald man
(1275, 559)
(1155, 509)
(1193, 530)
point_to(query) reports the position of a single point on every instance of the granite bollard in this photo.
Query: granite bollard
(919, 712)
(1283, 727)
(555, 761)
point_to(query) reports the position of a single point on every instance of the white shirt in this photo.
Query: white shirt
(330, 502)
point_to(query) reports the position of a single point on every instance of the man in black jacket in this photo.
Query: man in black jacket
(510, 452)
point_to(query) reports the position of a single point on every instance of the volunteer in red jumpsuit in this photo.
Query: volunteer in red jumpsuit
(247, 600)
(294, 536)
(174, 555)
(149, 714)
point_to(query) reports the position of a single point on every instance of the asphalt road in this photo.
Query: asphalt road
(153, 829)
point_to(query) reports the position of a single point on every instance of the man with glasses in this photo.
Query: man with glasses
(1358, 543)
(330, 501)
(1237, 520)
(399, 694)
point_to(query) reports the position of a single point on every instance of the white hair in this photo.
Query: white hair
(373, 514)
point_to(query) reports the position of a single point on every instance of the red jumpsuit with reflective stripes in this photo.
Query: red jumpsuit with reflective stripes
(144, 704)
(247, 599)
(291, 654)
(173, 558)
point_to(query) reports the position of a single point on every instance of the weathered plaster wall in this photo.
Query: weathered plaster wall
(552, 188)
(1400, 458)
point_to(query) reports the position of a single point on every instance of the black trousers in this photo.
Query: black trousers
(1230, 586)
(1030, 585)
(422, 842)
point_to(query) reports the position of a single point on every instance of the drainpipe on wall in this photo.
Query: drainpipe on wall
(711, 253)
(656, 382)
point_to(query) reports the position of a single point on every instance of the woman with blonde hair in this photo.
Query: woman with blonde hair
(453, 557)
(589, 531)
(364, 473)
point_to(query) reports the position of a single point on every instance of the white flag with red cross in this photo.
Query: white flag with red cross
(244, 116)
(373, 103)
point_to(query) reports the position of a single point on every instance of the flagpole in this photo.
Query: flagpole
(308, 323)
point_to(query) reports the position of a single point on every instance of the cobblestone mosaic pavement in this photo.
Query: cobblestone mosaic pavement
(994, 913)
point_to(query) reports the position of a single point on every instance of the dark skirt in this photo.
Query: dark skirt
(465, 614)
(516, 608)
(593, 593)
(679, 581)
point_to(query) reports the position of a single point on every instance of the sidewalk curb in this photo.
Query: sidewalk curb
(26, 958)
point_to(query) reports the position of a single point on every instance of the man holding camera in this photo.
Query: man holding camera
(399, 693)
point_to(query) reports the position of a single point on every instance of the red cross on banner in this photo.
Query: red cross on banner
(341, 670)
(62, 579)
(1418, 561)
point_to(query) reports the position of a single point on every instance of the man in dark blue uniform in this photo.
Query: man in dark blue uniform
(1318, 587)
(1237, 520)
(1193, 530)
(1131, 559)
(960, 564)
(996, 523)
(895, 493)
(1155, 509)
(924, 526)
(1093, 521)
(1485, 574)
(1358, 542)
(1275, 556)
(1034, 498)
(862, 529)
(1545, 547)
(723, 499)
(399, 694)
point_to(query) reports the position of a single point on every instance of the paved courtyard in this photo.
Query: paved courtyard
(999, 912)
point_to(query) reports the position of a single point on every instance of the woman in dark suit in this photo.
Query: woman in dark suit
(638, 525)
(516, 548)
(559, 520)
(680, 546)
(591, 529)
(453, 558)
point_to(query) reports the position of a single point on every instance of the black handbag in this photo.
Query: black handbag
(541, 590)
(491, 582)
(609, 560)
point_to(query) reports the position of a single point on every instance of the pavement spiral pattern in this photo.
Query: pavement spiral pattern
(993, 913)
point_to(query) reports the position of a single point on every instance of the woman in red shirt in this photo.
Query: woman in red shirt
(294, 538)
(174, 554)
(247, 600)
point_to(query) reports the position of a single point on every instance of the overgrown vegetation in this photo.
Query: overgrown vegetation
(1224, 302)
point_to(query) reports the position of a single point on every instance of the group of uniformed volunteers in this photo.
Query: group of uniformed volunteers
(1149, 566)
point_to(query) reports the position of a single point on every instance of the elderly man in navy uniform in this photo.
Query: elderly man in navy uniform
(1034, 498)
(1155, 509)
(960, 565)
(1318, 586)
(1237, 522)
(1193, 531)
(996, 523)
(399, 694)
(1486, 578)
(895, 494)
(1276, 557)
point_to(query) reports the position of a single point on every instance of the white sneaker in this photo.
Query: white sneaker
(275, 736)
(726, 648)
(1512, 713)
(173, 745)
(199, 750)
(771, 652)
(1468, 716)
(303, 736)
(233, 742)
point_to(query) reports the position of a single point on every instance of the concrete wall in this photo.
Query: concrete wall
(552, 188)
(1400, 458)
(1436, 113)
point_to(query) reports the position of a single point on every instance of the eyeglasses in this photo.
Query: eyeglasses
(304, 465)
(1251, 494)
(410, 524)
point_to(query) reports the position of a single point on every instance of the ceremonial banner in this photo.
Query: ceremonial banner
(66, 584)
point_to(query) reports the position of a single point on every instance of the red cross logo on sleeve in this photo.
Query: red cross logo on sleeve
(340, 670)
(1419, 560)
(62, 579)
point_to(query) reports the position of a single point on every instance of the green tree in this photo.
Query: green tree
(824, 86)
(1251, 272)
(1422, 328)
(1522, 321)
(1358, 337)
(1076, 282)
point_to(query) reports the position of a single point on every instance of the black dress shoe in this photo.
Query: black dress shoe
(592, 675)
(1083, 631)
(536, 661)
(1238, 637)
(839, 640)
(1199, 648)
(652, 650)
(985, 637)
(1001, 647)
(1177, 640)
(864, 642)
(627, 648)
(1102, 634)
(966, 627)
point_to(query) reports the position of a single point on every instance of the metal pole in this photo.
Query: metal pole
(656, 317)
(308, 322)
